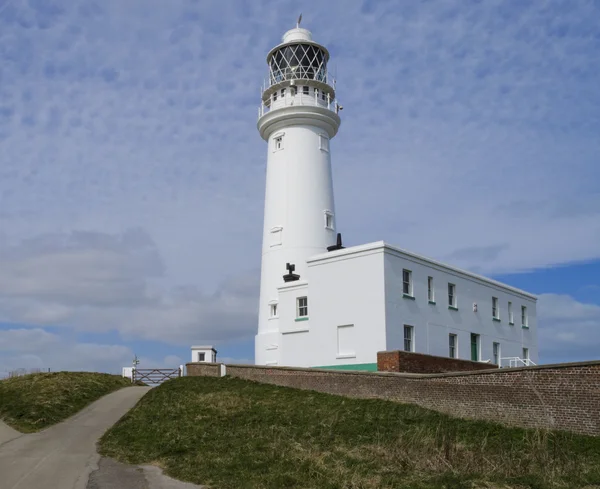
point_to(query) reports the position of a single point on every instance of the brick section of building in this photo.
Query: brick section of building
(203, 369)
(562, 396)
(418, 363)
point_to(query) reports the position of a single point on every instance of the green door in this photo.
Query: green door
(474, 352)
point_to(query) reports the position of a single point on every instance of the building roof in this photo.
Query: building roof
(384, 247)
(205, 347)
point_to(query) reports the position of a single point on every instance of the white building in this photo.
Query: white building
(338, 308)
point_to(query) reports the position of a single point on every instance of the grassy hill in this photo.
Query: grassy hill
(34, 402)
(230, 434)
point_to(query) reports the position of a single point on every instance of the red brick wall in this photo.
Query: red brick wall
(418, 363)
(203, 369)
(563, 396)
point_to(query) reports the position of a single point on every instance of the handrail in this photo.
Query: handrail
(300, 99)
(514, 362)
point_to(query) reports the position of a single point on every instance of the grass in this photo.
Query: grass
(230, 434)
(34, 402)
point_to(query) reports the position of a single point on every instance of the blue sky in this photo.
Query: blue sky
(132, 174)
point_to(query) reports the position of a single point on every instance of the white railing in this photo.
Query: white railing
(301, 99)
(320, 77)
(516, 362)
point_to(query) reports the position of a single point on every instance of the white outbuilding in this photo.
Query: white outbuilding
(204, 354)
(323, 305)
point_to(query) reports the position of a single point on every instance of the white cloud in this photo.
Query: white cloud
(100, 282)
(569, 329)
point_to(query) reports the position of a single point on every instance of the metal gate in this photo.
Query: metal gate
(155, 376)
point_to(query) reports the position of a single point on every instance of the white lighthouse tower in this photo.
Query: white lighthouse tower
(297, 118)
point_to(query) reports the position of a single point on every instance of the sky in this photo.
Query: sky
(132, 173)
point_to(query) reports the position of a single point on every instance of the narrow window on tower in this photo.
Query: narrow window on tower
(273, 310)
(283, 92)
(323, 95)
(328, 219)
(278, 142)
(305, 90)
(323, 142)
(274, 96)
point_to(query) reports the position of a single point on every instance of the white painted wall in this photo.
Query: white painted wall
(345, 292)
(208, 352)
(362, 287)
(434, 322)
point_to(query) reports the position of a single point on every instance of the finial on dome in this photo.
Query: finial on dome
(299, 20)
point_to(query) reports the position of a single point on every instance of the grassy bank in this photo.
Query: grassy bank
(230, 434)
(34, 402)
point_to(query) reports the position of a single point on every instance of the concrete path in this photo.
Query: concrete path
(64, 455)
(7, 433)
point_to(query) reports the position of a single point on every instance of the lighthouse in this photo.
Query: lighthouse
(326, 306)
(298, 117)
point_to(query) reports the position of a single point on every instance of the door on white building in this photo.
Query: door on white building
(474, 347)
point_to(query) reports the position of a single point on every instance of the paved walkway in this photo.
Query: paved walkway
(64, 455)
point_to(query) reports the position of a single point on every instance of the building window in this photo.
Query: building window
(278, 142)
(495, 311)
(201, 356)
(305, 90)
(474, 347)
(526, 356)
(452, 295)
(496, 353)
(408, 338)
(430, 291)
(328, 220)
(302, 307)
(273, 310)
(323, 142)
(407, 282)
(452, 346)
(524, 317)
(323, 95)
(283, 92)
(274, 96)
(511, 319)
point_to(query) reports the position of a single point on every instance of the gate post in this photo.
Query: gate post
(180, 370)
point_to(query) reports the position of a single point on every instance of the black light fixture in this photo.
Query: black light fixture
(290, 276)
(337, 245)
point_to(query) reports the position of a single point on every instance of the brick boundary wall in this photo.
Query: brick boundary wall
(203, 369)
(562, 396)
(419, 363)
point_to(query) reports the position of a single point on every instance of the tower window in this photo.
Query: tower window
(278, 143)
(273, 310)
(274, 96)
(305, 90)
(293, 90)
(283, 92)
(323, 95)
(302, 307)
(328, 220)
(323, 142)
